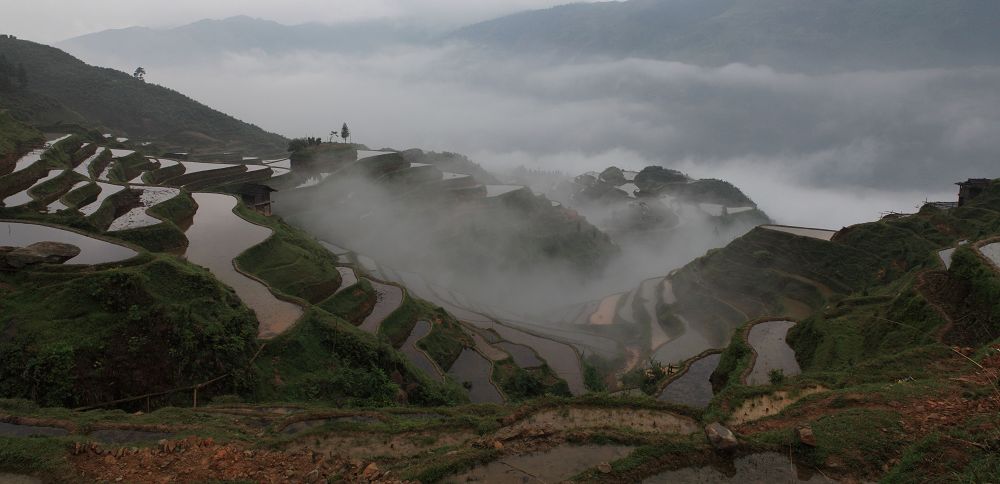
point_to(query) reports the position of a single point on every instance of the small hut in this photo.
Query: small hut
(255, 196)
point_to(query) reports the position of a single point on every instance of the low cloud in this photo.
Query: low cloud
(896, 137)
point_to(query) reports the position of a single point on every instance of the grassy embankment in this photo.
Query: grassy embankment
(874, 346)
(83, 336)
(16, 139)
(325, 357)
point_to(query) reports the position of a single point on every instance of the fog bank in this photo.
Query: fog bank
(865, 142)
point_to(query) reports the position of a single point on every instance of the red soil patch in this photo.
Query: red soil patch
(197, 460)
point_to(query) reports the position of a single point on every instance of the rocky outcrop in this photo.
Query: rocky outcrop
(806, 436)
(720, 437)
(37, 253)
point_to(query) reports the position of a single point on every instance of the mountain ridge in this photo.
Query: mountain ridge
(782, 33)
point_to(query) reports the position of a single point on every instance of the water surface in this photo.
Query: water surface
(473, 369)
(107, 190)
(216, 237)
(22, 197)
(16, 430)
(92, 251)
(523, 356)
(767, 468)
(388, 298)
(992, 252)
(693, 387)
(138, 217)
(773, 352)
(821, 234)
(418, 357)
(348, 278)
(554, 465)
(688, 344)
(27, 160)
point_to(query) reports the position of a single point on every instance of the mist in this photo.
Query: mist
(497, 251)
(901, 136)
(810, 150)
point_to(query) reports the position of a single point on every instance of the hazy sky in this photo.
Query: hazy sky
(55, 20)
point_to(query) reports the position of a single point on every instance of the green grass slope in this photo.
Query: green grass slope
(16, 139)
(116, 101)
(80, 336)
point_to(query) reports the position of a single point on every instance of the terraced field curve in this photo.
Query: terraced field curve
(217, 237)
(388, 298)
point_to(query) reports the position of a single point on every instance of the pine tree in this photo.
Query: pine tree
(345, 132)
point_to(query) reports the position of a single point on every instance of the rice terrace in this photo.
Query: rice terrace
(693, 241)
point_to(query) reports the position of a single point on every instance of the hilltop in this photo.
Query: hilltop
(204, 39)
(63, 90)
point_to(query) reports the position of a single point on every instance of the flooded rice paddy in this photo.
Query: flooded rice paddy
(626, 314)
(107, 190)
(17, 430)
(27, 160)
(115, 153)
(773, 352)
(282, 163)
(473, 371)
(693, 388)
(362, 154)
(766, 468)
(560, 357)
(821, 234)
(334, 249)
(605, 313)
(388, 298)
(369, 265)
(945, 256)
(418, 357)
(486, 348)
(217, 236)
(647, 291)
(523, 356)
(92, 251)
(500, 190)
(137, 217)
(348, 278)
(198, 167)
(554, 465)
(688, 344)
(58, 205)
(992, 252)
(57, 139)
(84, 167)
(23, 197)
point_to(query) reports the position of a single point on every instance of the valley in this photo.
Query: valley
(206, 307)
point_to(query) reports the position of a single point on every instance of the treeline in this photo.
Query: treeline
(12, 76)
(300, 143)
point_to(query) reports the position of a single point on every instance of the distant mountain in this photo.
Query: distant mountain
(205, 39)
(822, 35)
(62, 88)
